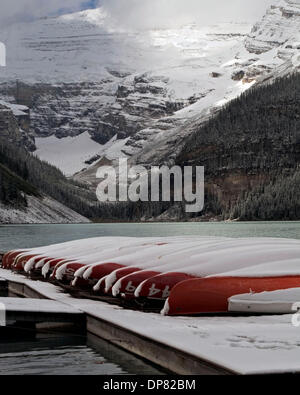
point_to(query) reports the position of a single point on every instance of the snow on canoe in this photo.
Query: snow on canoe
(85, 246)
(273, 302)
(81, 245)
(66, 271)
(127, 256)
(210, 295)
(155, 268)
(100, 286)
(147, 267)
(60, 250)
(77, 256)
(211, 264)
(142, 259)
(9, 258)
(176, 257)
(282, 266)
(200, 265)
(21, 260)
(48, 265)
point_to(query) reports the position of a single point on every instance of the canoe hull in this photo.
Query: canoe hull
(210, 295)
(159, 287)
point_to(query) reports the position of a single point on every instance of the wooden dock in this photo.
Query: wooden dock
(157, 352)
(39, 311)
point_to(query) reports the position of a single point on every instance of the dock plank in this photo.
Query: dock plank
(39, 310)
(37, 306)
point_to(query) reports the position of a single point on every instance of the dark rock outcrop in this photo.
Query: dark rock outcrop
(16, 129)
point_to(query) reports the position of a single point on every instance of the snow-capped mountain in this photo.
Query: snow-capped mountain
(270, 50)
(96, 90)
(280, 28)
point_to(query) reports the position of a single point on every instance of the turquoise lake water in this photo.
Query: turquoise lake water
(26, 236)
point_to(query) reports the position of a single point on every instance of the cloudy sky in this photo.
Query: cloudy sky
(140, 13)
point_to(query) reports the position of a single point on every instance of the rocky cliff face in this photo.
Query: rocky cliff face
(278, 30)
(15, 125)
(111, 107)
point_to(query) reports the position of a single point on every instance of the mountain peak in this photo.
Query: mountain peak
(279, 27)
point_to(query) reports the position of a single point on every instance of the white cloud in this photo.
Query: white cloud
(142, 13)
(162, 13)
(26, 10)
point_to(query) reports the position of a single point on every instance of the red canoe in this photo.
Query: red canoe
(9, 258)
(127, 285)
(100, 286)
(65, 273)
(94, 273)
(159, 287)
(210, 295)
(63, 270)
(51, 265)
(21, 260)
(117, 275)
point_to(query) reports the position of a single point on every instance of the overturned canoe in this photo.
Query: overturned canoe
(153, 269)
(285, 301)
(181, 263)
(158, 255)
(210, 295)
(91, 269)
(18, 259)
(243, 259)
(9, 258)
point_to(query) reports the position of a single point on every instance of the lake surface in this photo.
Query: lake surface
(26, 236)
(68, 354)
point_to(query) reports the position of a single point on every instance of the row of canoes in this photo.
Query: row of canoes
(185, 275)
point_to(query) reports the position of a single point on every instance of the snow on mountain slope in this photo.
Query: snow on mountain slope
(93, 48)
(16, 109)
(40, 210)
(108, 81)
(280, 27)
(71, 153)
(82, 74)
(271, 50)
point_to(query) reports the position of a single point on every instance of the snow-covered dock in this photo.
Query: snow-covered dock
(40, 310)
(175, 275)
(187, 345)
